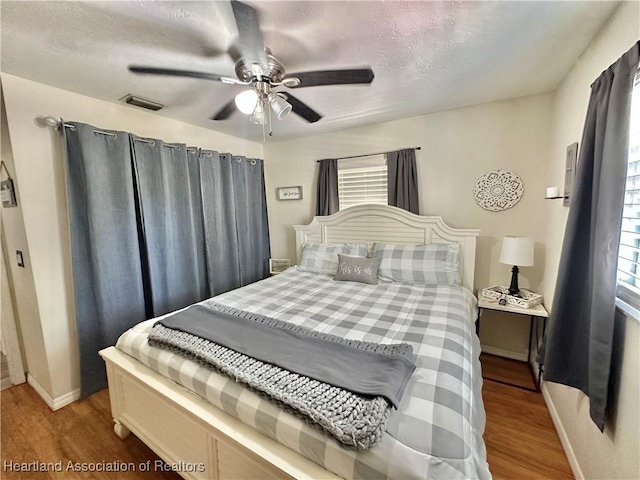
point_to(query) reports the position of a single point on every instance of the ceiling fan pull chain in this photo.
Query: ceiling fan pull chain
(264, 138)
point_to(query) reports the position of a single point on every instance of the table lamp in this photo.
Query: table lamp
(516, 251)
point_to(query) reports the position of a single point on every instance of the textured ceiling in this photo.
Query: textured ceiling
(427, 56)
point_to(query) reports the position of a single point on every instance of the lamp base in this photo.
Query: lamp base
(514, 290)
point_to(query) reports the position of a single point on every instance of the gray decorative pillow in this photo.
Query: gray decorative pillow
(358, 269)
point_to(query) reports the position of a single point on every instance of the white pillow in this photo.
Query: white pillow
(419, 264)
(323, 257)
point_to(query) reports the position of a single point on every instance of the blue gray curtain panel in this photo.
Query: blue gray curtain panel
(155, 227)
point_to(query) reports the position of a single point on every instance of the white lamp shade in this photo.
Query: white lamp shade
(280, 106)
(257, 116)
(517, 251)
(246, 101)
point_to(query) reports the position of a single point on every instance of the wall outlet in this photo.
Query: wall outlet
(20, 258)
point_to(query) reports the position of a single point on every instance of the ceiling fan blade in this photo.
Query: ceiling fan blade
(302, 109)
(175, 73)
(333, 77)
(226, 111)
(250, 36)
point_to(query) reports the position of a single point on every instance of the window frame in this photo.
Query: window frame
(628, 297)
(372, 162)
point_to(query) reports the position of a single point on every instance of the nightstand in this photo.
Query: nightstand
(534, 313)
(278, 265)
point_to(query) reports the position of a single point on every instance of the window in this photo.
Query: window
(362, 181)
(629, 251)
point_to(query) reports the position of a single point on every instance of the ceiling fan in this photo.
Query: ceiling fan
(257, 68)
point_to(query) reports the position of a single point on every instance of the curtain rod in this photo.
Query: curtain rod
(58, 124)
(53, 122)
(372, 154)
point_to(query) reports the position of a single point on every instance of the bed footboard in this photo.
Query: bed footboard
(192, 436)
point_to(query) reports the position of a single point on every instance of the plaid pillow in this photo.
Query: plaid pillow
(357, 269)
(419, 264)
(323, 257)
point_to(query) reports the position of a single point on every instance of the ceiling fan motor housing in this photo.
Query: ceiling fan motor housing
(274, 70)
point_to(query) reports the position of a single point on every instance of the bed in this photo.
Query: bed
(206, 425)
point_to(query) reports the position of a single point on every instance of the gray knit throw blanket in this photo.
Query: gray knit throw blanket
(354, 420)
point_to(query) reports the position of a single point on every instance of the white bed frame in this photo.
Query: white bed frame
(185, 430)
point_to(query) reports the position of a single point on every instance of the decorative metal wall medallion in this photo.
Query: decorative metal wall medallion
(498, 190)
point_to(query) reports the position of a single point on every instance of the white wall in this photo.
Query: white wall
(614, 453)
(20, 280)
(458, 146)
(10, 341)
(39, 170)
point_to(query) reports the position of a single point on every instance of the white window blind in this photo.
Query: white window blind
(362, 181)
(629, 250)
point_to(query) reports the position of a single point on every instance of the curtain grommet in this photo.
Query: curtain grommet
(253, 162)
(238, 159)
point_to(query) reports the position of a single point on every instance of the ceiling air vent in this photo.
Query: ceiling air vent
(142, 102)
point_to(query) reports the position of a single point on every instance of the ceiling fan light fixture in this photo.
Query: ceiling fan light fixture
(257, 116)
(247, 101)
(280, 106)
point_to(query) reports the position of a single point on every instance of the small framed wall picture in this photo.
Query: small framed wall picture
(289, 193)
(278, 265)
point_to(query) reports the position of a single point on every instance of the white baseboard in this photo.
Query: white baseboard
(53, 403)
(562, 434)
(504, 353)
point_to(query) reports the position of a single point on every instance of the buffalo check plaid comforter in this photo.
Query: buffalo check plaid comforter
(436, 433)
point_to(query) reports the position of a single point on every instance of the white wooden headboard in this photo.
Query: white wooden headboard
(384, 224)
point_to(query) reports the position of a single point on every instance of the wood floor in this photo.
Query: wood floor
(81, 433)
(521, 440)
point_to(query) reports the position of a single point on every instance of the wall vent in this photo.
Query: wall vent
(141, 102)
